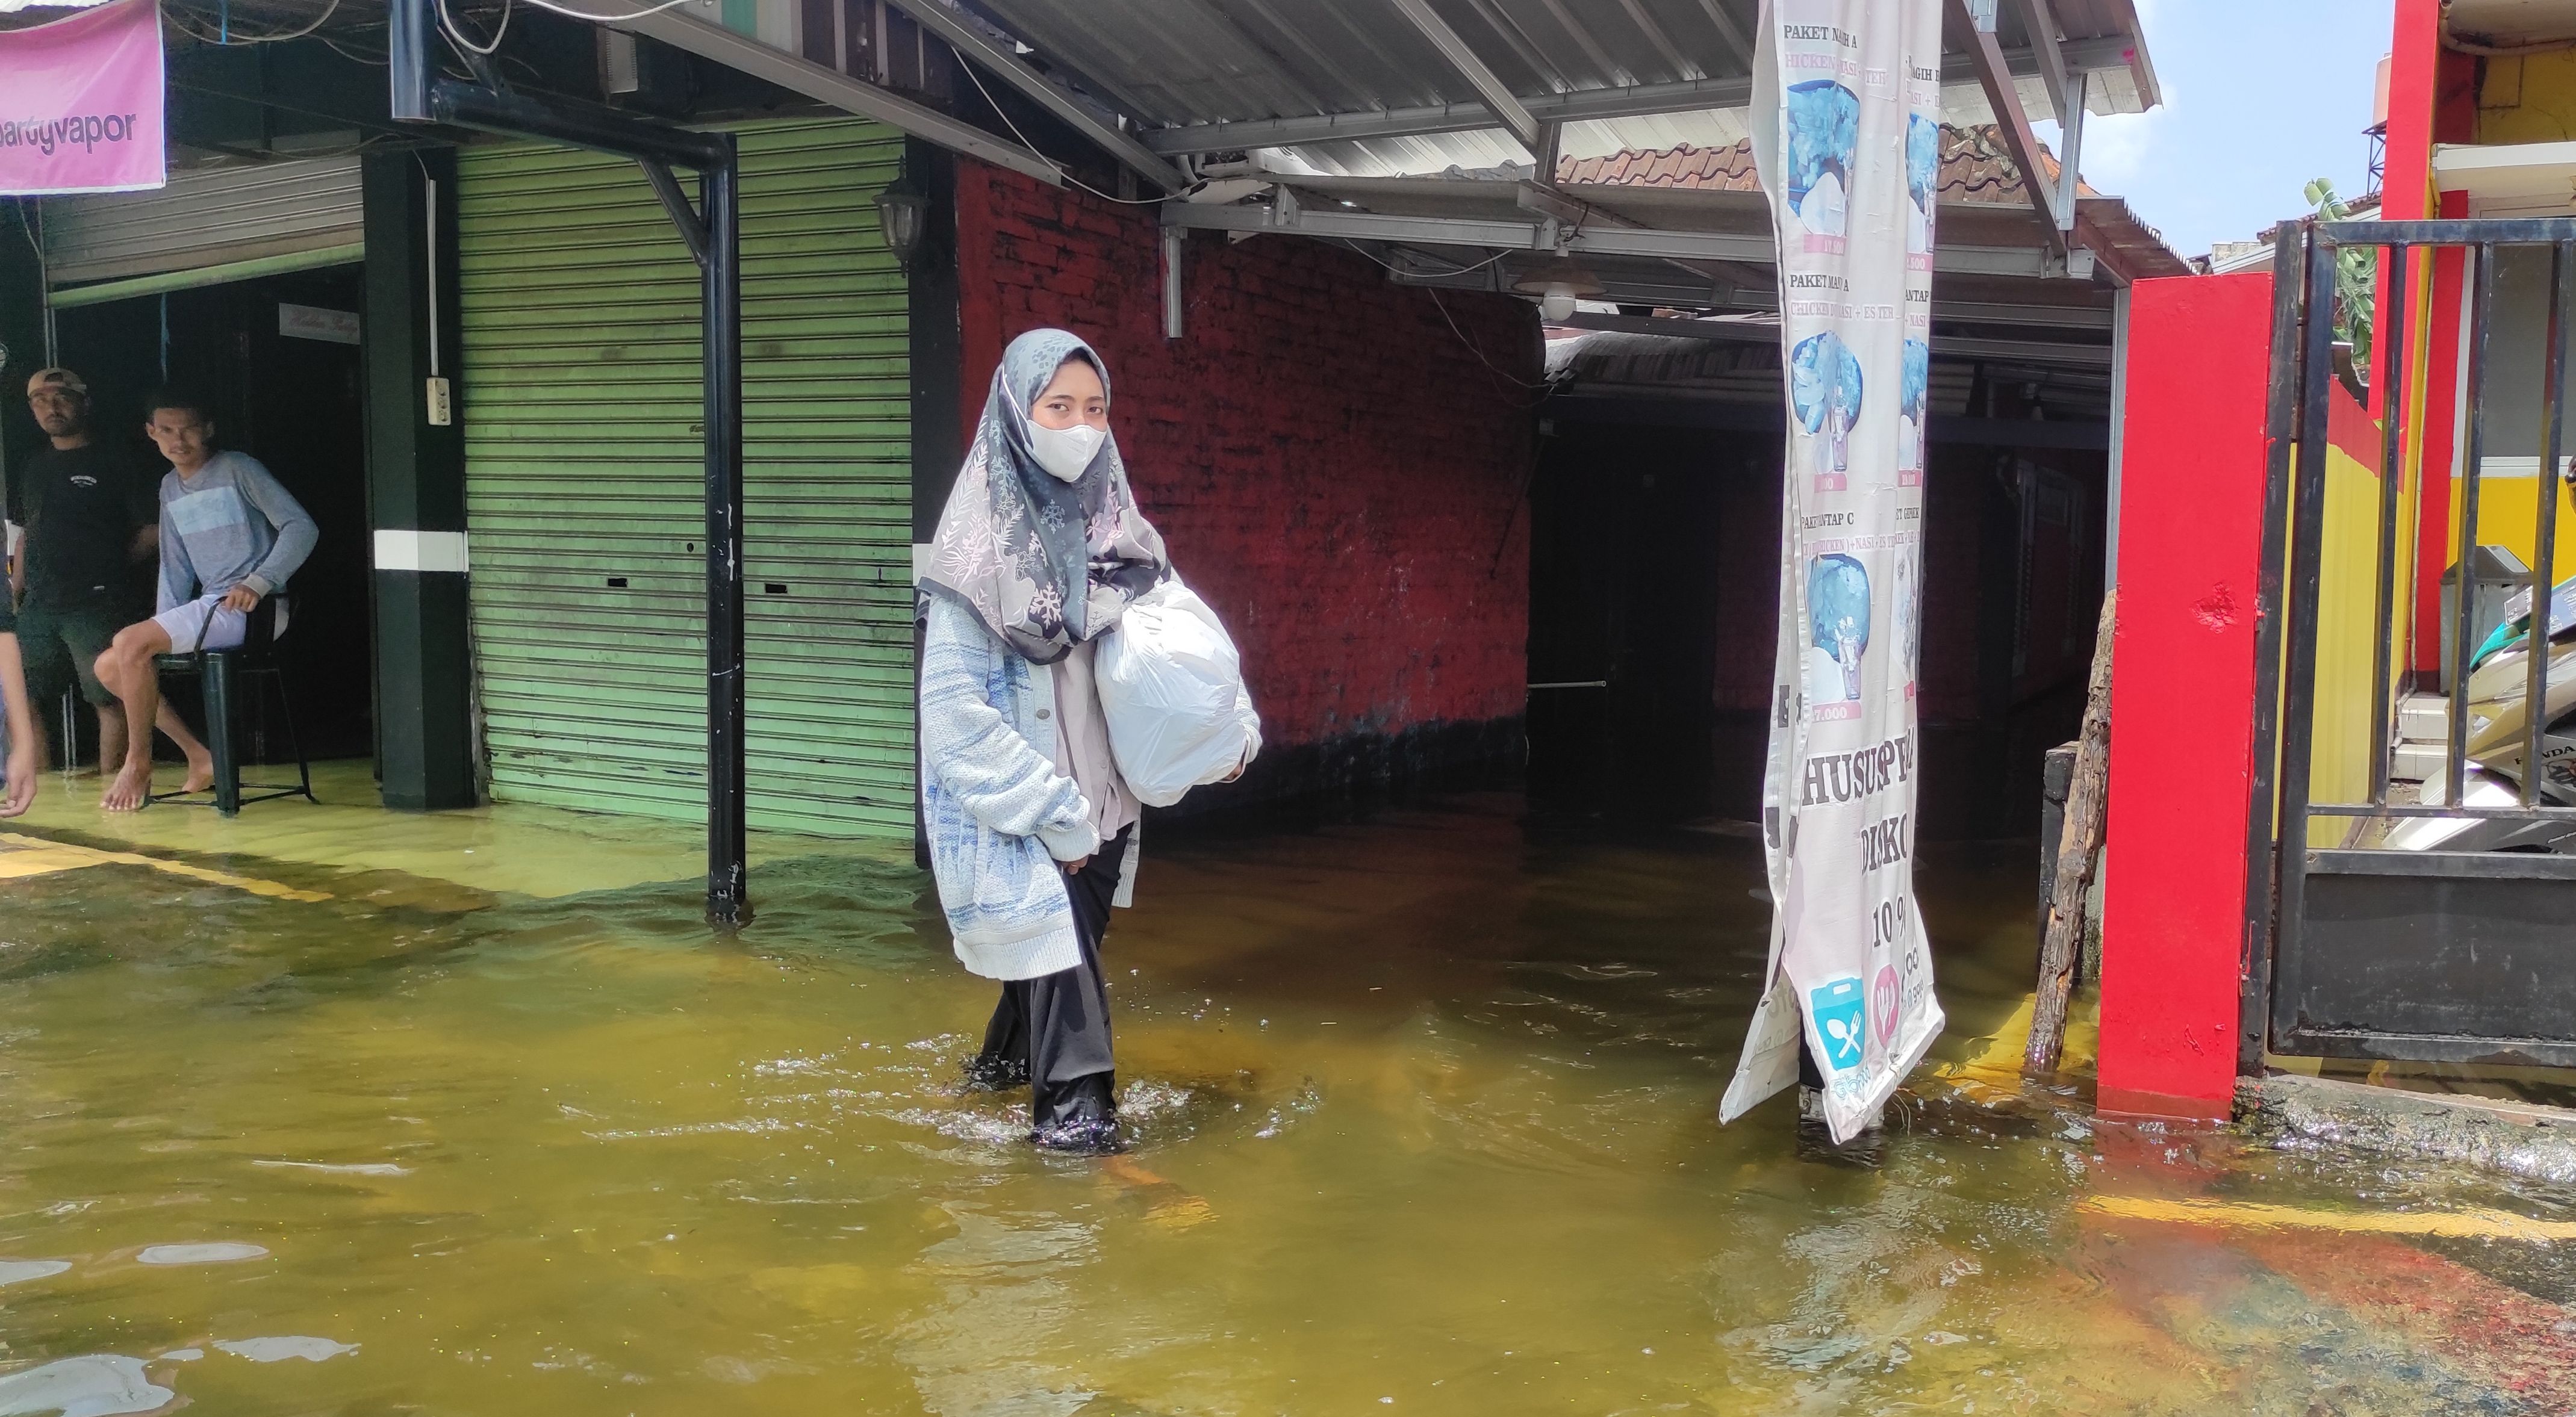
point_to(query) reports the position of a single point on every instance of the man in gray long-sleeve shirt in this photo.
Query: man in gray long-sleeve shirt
(230, 537)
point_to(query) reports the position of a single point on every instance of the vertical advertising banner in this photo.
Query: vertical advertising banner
(1846, 123)
(80, 103)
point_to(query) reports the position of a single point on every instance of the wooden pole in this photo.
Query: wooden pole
(2077, 851)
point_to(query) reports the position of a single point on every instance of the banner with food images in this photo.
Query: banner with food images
(1846, 133)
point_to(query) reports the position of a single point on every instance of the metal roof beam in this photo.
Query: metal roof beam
(1546, 200)
(974, 45)
(1751, 248)
(831, 86)
(1635, 101)
(1499, 98)
(2010, 118)
(2041, 24)
(2091, 356)
(1729, 31)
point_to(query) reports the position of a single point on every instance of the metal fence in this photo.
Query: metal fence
(2441, 929)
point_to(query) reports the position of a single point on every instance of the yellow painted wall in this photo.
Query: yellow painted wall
(2530, 99)
(2509, 516)
(2348, 566)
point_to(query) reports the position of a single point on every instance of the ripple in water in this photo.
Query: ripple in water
(220, 1252)
(278, 1350)
(362, 1168)
(92, 1385)
(20, 1271)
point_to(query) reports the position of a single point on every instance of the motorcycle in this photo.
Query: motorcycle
(2499, 741)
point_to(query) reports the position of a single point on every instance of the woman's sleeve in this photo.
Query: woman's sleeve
(978, 757)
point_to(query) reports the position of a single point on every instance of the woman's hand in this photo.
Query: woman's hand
(1074, 868)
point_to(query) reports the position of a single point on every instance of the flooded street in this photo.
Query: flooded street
(1423, 1113)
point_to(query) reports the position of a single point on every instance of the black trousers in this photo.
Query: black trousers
(1058, 1024)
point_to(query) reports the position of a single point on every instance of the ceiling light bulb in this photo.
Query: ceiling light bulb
(1558, 301)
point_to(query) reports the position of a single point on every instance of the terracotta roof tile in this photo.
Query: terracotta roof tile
(1975, 167)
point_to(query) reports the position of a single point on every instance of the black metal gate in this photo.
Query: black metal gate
(2360, 942)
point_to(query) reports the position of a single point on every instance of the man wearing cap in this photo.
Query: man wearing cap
(92, 522)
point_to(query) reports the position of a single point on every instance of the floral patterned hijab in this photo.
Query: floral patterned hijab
(1044, 564)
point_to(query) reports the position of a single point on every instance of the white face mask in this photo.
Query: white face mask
(1065, 452)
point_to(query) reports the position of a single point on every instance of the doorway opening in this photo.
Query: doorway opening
(278, 357)
(1654, 594)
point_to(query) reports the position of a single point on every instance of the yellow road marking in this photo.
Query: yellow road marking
(2003, 1051)
(2478, 1224)
(1995, 1074)
(43, 861)
(41, 857)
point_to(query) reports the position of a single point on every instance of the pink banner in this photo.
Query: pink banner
(80, 103)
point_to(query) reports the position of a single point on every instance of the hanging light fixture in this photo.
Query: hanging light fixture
(1558, 284)
(903, 216)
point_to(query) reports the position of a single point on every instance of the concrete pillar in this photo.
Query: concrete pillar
(22, 336)
(2182, 693)
(938, 380)
(416, 482)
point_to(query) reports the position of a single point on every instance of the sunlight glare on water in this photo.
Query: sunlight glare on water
(1423, 1114)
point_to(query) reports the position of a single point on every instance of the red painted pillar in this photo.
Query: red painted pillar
(2182, 692)
(2432, 98)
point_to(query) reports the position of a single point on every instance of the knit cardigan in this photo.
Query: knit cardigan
(1000, 817)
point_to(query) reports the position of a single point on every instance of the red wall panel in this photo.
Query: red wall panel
(2182, 692)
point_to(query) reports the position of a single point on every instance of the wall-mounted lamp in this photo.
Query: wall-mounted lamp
(1558, 284)
(903, 216)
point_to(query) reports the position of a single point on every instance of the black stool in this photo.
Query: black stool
(221, 673)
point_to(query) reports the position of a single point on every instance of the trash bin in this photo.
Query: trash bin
(2495, 574)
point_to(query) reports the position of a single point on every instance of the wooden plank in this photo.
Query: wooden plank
(2078, 853)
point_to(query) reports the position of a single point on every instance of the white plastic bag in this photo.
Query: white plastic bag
(1171, 688)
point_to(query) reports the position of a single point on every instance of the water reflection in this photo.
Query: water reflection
(1424, 1120)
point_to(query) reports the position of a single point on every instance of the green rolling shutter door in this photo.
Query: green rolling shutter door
(585, 490)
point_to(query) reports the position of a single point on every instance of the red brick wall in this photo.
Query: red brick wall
(1334, 467)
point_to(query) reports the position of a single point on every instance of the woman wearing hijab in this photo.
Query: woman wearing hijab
(1032, 831)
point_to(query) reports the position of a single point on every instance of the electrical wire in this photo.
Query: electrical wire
(570, 13)
(455, 32)
(1394, 269)
(380, 61)
(1060, 169)
(229, 40)
(1541, 386)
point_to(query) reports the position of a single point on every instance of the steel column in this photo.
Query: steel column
(2392, 478)
(419, 95)
(2544, 549)
(728, 886)
(2281, 430)
(2307, 541)
(2481, 307)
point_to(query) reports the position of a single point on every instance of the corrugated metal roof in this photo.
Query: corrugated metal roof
(1188, 64)
(209, 215)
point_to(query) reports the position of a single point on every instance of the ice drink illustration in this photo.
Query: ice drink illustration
(1838, 620)
(1922, 178)
(1826, 393)
(1823, 133)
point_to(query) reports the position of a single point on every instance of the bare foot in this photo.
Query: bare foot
(201, 774)
(1166, 1203)
(131, 791)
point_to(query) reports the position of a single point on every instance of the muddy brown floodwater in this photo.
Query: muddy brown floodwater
(1423, 1121)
